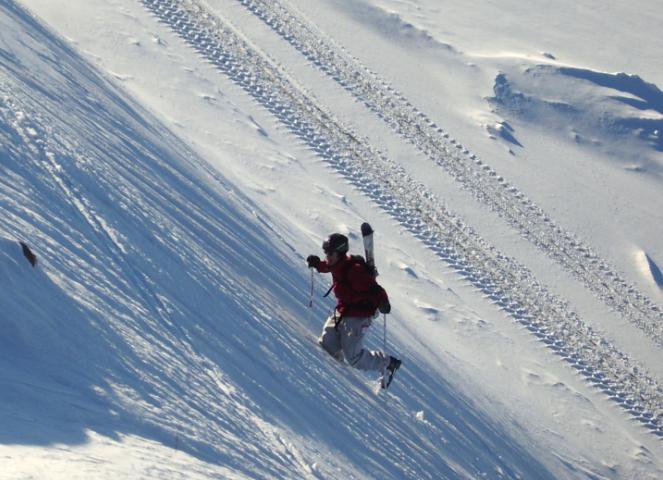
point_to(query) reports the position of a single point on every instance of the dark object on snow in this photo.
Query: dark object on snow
(32, 258)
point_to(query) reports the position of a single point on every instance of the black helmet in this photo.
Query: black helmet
(336, 243)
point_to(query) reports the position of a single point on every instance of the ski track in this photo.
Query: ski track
(474, 175)
(508, 284)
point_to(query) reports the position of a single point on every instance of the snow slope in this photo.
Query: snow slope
(163, 309)
(180, 343)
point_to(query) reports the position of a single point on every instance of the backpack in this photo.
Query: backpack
(374, 290)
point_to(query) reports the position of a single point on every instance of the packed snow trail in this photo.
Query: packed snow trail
(474, 175)
(510, 285)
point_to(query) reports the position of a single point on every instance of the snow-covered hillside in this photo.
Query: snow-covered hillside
(172, 163)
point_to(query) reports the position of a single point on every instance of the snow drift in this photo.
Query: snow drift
(617, 114)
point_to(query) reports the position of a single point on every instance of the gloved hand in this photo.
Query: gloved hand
(313, 261)
(385, 306)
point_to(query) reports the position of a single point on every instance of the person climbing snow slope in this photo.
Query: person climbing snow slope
(359, 299)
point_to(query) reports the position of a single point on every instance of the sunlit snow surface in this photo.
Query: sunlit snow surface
(164, 332)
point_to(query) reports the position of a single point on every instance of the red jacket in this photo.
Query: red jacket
(357, 293)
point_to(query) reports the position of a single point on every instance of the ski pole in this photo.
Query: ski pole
(310, 299)
(384, 348)
(384, 316)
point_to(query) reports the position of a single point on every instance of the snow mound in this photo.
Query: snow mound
(620, 114)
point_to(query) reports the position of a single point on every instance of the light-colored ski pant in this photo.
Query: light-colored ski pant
(348, 340)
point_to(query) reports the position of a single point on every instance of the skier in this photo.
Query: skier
(359, 297)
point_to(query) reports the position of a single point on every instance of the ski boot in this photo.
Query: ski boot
(394, 364)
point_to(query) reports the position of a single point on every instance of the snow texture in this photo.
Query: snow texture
(163, 331)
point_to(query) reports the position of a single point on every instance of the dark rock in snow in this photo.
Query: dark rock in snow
(32, 258)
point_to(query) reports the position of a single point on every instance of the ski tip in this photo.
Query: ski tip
(366, 229)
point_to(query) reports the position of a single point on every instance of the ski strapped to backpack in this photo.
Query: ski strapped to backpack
(367, 237)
